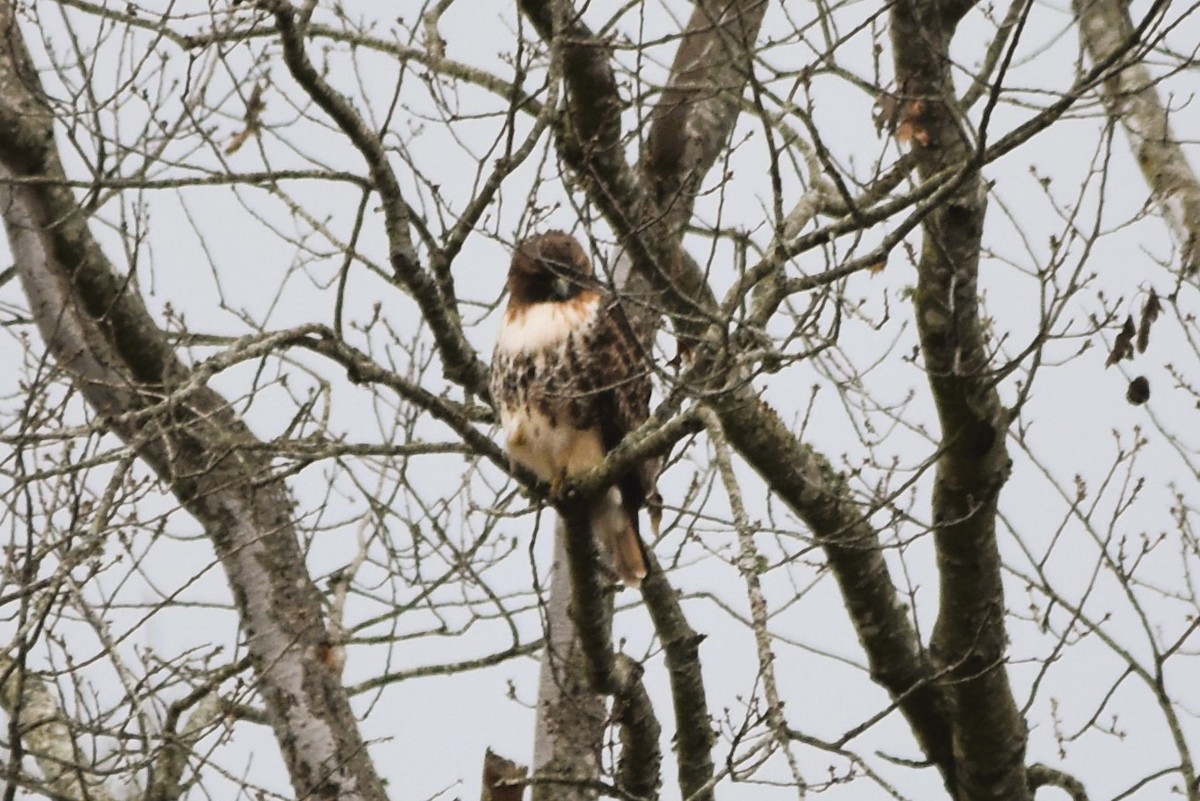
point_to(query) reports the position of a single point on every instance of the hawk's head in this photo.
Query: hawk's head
(549, 268)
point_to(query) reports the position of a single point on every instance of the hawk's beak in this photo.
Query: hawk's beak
(562, 287)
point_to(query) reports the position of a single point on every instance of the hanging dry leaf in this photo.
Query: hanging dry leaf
(1139, 391)
(886, 112)
(1149, 314)
(684, 354)
(498, 772)
(910, 128)
(1123, 346)
(254, 110)
(901, 117)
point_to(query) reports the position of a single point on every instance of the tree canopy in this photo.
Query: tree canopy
(922, 278)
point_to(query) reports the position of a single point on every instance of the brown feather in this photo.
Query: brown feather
(571, 378)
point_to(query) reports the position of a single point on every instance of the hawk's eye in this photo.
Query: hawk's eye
(562, 287)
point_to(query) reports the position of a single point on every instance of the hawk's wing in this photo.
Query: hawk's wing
(622, 370)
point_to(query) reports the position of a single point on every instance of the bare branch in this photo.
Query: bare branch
(1131, 99)
(569, 733)
(969, 638)
(46, 732)
(100, 332)
(1045, 776)
(696, 114)
(461, 363)
(609, 673)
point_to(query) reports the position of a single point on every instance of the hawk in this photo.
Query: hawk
(570, 378)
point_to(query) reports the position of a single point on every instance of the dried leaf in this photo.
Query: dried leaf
(1150, 313)
(254, 109)
(1123, 346)
(901, 117)
(498, 772)
(886, 112)
(1139, 391)
(683, 354)
(910, 128)
(235, 144)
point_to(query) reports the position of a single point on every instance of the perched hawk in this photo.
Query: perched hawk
(570, 379)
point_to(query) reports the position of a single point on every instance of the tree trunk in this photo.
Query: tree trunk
(571, 716)
(94, 323)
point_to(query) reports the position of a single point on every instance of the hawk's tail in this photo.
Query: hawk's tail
(628, 559)
(616, 533)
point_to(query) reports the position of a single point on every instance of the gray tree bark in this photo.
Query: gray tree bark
(94, 323)
(969, 643)
(1131, 100)
(971, 716)
(571, 715)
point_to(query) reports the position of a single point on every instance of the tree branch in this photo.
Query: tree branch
(796, 473)
(46, 733)
(969, 638)
(691, 123)
(462, 365)
(1045, 776)
(96, 326)
(1130, 98)
(569, 733)
(609, 673)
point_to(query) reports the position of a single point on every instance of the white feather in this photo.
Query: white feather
(541, 326)
(544, 448)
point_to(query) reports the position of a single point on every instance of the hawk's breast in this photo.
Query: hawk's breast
(542, 389)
